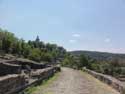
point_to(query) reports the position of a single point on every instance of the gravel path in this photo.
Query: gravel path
(76, 82)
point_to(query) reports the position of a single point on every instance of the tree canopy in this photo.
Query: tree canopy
(35, 50)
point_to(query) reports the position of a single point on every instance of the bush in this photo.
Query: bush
(35, 55)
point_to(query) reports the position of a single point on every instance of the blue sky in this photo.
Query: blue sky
(97, 25)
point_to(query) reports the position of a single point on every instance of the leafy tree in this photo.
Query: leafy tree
(83, 61)
(35, 50)
(68, 61)
(35, 55)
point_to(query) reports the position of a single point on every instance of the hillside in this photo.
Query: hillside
(35, 50)
(101, 56)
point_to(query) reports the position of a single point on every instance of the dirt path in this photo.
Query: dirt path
(75, 82)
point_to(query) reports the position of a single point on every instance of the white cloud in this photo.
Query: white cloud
(72, 41)
(107, 40)
(76, 35)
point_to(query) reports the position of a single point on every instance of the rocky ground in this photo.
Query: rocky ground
(72, 81)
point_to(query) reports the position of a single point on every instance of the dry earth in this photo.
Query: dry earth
(72, 81)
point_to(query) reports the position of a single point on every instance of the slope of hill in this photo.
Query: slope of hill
(101, 56)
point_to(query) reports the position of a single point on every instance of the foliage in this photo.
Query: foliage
(77, 63)
(35, 50)
(109, 68)
(68, 61)
(100, 56)
(35, 54)
(84, 62)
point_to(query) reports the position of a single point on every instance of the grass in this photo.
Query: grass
(42, 85)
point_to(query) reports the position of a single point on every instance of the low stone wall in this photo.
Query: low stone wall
(24, 62)
(38, 76)
(14, 83)
(44, 73)
(116, 84)
(10, 83)
(6, 68)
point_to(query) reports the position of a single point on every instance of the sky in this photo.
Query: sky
(96, 25)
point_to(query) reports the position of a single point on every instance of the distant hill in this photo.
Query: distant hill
(100, 56)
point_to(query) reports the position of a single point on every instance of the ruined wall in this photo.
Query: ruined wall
(13, 83)
(116, 84)
(6, 68)
(45, 73)
(41, 75)
(10, 83)
(24, 62)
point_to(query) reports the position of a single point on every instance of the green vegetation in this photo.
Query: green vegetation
(100, 56)
(108, 68)
(77, 63)
(114, 66)
(35, 50)
(106, 63)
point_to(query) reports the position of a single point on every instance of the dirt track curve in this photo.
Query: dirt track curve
(72, 81)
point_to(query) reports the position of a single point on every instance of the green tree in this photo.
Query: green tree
(35, 50)
(83, 62)
(69, 61)
(35, 55)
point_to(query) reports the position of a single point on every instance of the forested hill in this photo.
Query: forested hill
(101, 56)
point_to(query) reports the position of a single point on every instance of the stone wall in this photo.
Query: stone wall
(116, 84)
(24, 62)
(44, 73)
(14, 83)
(6, 68)
(38, 76)
(10, 83)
